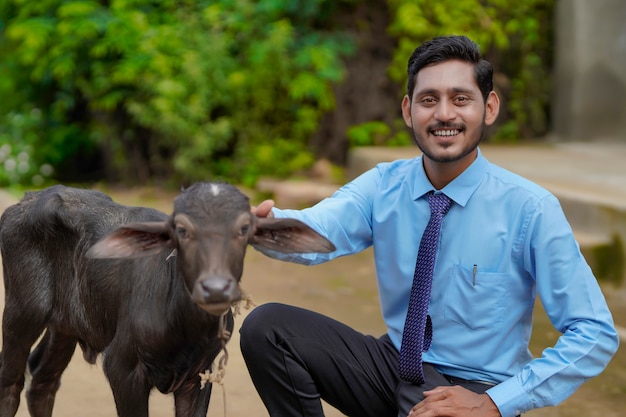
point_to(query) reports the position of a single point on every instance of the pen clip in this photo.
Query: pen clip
(474, 270)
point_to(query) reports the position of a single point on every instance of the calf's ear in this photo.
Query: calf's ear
(132, 241)
(289, 236)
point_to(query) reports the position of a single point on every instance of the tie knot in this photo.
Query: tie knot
(439, 203)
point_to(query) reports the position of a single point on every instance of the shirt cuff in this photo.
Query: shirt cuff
(510, 398)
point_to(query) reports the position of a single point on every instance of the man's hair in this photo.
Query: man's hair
(445, 48)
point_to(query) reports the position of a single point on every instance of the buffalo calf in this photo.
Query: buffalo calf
(145, 290)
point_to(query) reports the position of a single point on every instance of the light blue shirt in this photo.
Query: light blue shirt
(504, 241)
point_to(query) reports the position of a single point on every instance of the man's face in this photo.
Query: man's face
(447, 114)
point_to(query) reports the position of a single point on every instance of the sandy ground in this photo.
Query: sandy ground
(344, 289)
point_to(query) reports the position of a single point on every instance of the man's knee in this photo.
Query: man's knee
(258, 325)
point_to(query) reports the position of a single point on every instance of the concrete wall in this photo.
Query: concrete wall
(589, 101)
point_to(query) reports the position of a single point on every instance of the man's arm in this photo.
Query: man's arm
(574, 302)
(344, 219)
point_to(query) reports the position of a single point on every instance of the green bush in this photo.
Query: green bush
(177, 89)
(18, 161)
(136, 90)
(515, 36)
(377, 133)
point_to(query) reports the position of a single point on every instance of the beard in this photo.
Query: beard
(468, 148)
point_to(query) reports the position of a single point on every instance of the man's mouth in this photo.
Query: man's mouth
(446, 132)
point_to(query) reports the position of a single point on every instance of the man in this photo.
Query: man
(503, 240)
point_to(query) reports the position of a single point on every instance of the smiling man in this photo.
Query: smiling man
(459, 319)
(447, 114)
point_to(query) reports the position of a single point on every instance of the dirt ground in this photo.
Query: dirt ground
(344, 289)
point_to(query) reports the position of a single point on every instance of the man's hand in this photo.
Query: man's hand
(264, 209)
(454, 401)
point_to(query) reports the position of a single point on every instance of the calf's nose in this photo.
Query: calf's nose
(216, 294)
(215, 289)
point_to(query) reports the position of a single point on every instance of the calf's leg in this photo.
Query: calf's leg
(192, 401)
(130, 389)
(47, 363)
(19, 332)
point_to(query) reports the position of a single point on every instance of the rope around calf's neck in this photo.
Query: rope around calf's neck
(224, 335)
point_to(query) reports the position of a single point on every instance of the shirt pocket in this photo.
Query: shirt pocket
(478, 299)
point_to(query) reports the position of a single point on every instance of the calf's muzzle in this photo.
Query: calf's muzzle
(216, 294)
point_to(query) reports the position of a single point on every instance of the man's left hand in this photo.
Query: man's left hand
(454, 401)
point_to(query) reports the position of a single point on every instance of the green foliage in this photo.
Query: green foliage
(368, 134)
(190, 89)
(234, 89)
(377, 133)
(515, 36)
(16, 151)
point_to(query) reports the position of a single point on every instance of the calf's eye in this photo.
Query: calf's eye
(182, 232)
(244, 230)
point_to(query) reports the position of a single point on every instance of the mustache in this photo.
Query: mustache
(446, 125)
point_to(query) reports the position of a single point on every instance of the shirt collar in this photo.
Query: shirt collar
(461, 188)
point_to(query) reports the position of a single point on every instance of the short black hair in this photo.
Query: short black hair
(445, 48)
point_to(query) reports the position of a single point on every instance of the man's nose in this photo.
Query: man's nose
(445, 111)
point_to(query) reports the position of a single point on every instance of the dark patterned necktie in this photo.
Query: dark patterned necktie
(417, 334)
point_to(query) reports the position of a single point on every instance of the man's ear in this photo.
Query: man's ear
(406, 111)
(492, 108)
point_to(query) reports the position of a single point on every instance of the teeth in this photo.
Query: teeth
(446, 132)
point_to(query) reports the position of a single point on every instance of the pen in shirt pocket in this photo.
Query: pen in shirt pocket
(474, 274)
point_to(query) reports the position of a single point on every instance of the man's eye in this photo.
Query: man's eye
(244, 230)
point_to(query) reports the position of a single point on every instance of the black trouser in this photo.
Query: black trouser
(297, 357)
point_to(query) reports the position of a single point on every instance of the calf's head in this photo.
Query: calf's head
(210, 229)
